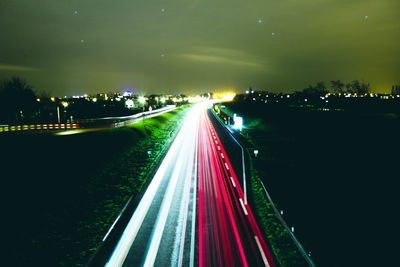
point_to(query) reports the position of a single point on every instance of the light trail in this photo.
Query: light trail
(166, 189)
(195, 175)
(162, 218)
(219, 241)
(227, 226)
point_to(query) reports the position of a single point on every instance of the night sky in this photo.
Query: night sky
(188, 46)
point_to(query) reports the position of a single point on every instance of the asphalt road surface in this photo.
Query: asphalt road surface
(193, 213)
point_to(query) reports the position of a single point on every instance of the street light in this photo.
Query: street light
(142, 100)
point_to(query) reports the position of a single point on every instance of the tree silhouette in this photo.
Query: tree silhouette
(355, 87)
(364, 88)
(337, 86)
(321, 87)
(308, 90)
(17, 101)
(349, 88)
(317, 90)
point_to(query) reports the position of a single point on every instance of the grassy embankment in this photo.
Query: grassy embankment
(329, 171)
(282, 245)
(72, 188)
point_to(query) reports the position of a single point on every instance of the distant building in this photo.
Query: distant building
(129, 104)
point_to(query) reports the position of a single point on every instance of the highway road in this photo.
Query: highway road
(193, 211)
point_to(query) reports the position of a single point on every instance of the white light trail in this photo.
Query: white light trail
(121, 251)
(158, 230)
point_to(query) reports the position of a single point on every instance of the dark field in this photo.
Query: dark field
(62, 193)
(335, 175)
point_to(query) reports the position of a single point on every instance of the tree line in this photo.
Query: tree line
(337, 86)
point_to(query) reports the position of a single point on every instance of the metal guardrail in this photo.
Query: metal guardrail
(140, 116)
(52, 126)
(283, 222)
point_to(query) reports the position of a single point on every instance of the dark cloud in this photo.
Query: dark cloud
(198, 45)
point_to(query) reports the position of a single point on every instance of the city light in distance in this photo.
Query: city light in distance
(142, 100)
(224, 96)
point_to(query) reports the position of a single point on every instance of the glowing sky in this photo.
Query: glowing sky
(70, 47)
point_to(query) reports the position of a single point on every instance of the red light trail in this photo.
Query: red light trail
(228, 232)
(195, 167)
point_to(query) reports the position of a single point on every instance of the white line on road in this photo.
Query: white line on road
(234, 185)
(222, 155)
(219, 148)
(262, 251)
(243, 207)
(192, 240)
(226, 165)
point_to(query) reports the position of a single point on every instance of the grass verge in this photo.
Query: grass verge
(82, 182)
(278, 237)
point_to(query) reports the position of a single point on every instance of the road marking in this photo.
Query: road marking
(262, 251)
(192, 240)
(234, 185)
(243, 207)
(222, 155)
(219, 148)
(226, 165)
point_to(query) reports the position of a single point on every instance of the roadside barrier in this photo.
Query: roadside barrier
(30, 127)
